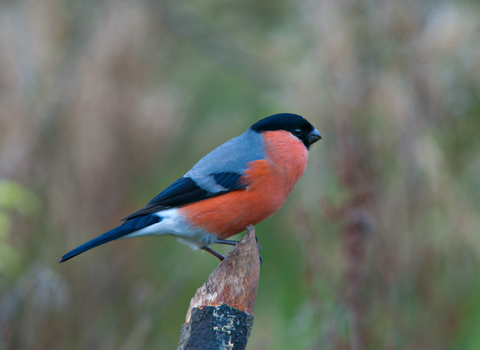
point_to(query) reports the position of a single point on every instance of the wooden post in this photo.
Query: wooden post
(220, 313)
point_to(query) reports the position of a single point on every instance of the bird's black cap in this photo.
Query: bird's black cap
(297, 125)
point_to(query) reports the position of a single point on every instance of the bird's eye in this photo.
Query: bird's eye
(297, 132)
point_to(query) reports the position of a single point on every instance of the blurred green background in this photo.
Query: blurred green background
(105, 103)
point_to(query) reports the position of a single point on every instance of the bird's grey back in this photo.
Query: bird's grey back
(232, 156)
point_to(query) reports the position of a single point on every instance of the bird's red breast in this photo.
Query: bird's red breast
(270, 181)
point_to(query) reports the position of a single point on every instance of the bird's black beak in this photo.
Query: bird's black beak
(314, 136)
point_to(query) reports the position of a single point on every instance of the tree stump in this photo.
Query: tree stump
(220, 313)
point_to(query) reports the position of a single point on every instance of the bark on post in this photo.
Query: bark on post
(220, 313)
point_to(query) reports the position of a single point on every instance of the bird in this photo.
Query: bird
(240, 183)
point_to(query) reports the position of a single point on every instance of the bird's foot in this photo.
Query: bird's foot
(226, 241)
(231, 242)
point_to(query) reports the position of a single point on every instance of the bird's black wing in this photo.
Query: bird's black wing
(186, 191)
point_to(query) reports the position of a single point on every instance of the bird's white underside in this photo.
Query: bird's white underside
(174, 224)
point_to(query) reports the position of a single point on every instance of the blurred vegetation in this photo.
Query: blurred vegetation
(104, 103)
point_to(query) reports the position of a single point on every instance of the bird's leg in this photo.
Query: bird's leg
(225, 241)
(214, 253)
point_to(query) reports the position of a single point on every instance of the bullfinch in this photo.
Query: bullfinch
(240, 183)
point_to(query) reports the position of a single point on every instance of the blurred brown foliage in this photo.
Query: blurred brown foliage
(104, 103)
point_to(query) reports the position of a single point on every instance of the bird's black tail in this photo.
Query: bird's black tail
(126, 228)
